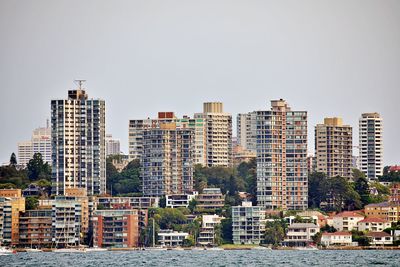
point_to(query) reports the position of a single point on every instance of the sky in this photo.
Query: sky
(331, 58)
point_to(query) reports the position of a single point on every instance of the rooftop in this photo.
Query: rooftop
(373, 219)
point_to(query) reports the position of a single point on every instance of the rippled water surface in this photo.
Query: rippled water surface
(206, 258)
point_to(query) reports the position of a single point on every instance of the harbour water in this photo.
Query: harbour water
(207, 258)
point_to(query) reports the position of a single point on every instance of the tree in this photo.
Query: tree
(275, 232)
(315, 195)
(127, 181)
(226, 230)
(13, 160)
(37, 169)
(189, 241)
(362, 188)
(340, 193)
(31, 203)
(192, 205)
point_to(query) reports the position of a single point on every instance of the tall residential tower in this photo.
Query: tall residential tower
(334, 148)
(282, 157)
(371, 145)
(78, 143)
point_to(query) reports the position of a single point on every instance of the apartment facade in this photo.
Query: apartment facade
(246, 131)
(116, 228)
(78, 143)
(170, 238)
(35, 228)
(371, 145)
(347, 220)
(372, 224)
(11, 204)
(207, 230)
(218, 134)
(282, 181)
(113, 146)
(334, 148)
(300, 234)
(167, 160)
(210, 199)
(248, 224)
(40, 143)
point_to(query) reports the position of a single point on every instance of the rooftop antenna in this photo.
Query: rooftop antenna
(79, 83)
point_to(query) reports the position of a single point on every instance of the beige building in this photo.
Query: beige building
(78, 143)
(333, 148)
(371, 145)
(346, 220)
(337, 239)
(282, 181)
(373, 224)
(40, 143)
(218, 134)
(11, 204)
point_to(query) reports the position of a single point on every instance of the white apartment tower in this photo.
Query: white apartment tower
(282, 181)
(218, 134)
(113, 146)
(78, 143)
(371, 145)
(247, 131)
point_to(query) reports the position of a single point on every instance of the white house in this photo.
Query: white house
(336, 239)
(373, 224)
(169, 238)
(346, 220)
(179, 200)
(379, 238)
(300, 234)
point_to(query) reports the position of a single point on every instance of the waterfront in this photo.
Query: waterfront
(206, 258)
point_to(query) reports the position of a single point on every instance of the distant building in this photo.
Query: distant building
(170, 238)
(385, 210)
(116, 228)
(300, 234)
(334, 148)
(337, 239)
(35, 228)
(11, 204)
(395, 193)
(78, 143)
(282, 181)
(40, 143)
(248, 224)
(241, 155)
(130, 202)
(371, 145)
(379, 238)
(218, 134)
(207, 231)
(246, 130)
(347, 220)
(180, 200)
(113, 146)
(372, 224)
(211, 199)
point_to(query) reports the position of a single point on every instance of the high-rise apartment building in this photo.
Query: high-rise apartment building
(247, 131)
(167, 160)
(218, 134)
(248, 224)
(371, 145)
(113, 146)
(334, 148)
(39, 143)
(282, 181)
(137, 127)
(78, 143)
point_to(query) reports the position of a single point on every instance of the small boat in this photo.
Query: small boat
(306, 248)
(70, 250)
(96, 249)
(177, 248)
(33, 250)
(214, 249)
(6, 251)
(198, 248)
(261, 248)
(155, 248)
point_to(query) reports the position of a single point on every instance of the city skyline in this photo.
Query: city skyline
(331, 59)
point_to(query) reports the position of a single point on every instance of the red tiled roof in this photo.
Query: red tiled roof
(377, 234)
(373, 219)
(348, 214)
(336, 233)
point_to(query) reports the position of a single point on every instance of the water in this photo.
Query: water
(207, 258)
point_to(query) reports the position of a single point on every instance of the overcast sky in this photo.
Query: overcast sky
(331, 58)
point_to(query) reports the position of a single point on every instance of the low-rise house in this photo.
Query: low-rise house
(179, 200)
(210, 198)
(207, 231)
(131, 202)
(300, 234)
(379, 238)
(170, 238)
(373, 224)
(346, 220)
(337, 239)
(248, 224)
